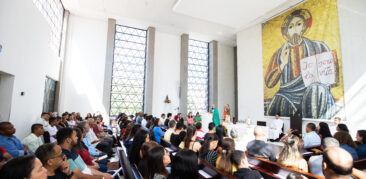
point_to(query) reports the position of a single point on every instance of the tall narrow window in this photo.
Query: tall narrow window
(53, 11)
(49, 95)
(197, 76)
(128, 76)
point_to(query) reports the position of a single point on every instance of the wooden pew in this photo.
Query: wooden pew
(306, 153)
(125, 164)
(360, 164)
(267, 168)
(270, 169)
(129, 171)
(206, 170)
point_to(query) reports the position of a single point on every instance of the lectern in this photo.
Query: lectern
(296, 122)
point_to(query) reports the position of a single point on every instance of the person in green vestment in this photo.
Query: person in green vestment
(215, 116)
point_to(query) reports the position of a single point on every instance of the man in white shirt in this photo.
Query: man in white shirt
(33, 141)
(311, 138)
(52, 129)
(162, 119)
(333, 127)
(275, 129)
(43, 120)
(315, 161)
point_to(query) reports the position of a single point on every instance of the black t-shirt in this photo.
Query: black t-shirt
(166, 122)
(177, 139)
(246, 173)
(58, 175)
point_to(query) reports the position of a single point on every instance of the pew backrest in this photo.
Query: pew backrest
(125, 164)
(274, 169)
(360, 164)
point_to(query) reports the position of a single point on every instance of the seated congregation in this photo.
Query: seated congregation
(166, 147)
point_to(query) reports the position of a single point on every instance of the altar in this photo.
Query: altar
(245, 131)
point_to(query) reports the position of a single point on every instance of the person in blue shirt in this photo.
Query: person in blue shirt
(346, 142)
(361, 138)
(157, 130)
(311, 138)
(9, 142)
(139, 118)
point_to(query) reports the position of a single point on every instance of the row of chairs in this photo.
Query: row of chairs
(267, 168)
(128, 171)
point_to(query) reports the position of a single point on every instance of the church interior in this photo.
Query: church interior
(156, 89)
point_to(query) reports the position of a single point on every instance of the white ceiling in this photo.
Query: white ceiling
(205, 19)
(231, 13)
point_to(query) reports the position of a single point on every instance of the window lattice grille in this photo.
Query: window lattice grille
(197, 76)
(128, 77)
(53, 11)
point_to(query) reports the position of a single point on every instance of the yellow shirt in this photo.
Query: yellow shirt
(233, 169)
(168, 133)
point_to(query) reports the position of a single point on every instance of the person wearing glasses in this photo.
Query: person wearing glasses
(67, 139)
(54, 161)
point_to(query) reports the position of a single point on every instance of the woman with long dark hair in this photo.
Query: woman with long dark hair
(189, 141)
(140, 138)
(323, 130)
(190, 119)
(342, 127)
(89, 115)
(128, 136)
(207, 151)
(223, 161)
(143, 155)
(157, 160)
(184, 165)
(361, 138)
(157, 130)
(127, 132)
(123, 127)
(23, 167)
(346, 142)
(81, 148)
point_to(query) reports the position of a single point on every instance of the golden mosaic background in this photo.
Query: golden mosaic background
(324, 28)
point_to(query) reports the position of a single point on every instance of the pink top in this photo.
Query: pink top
(190, 120)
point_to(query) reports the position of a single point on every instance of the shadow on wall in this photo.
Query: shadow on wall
(87, 98)
(356, 105)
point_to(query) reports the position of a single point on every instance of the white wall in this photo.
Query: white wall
(26, 54)
(250, 75)
(352, 20)
(166, 73)
(83, 75)
(226, 91)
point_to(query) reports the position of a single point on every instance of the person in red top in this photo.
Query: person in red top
(200, 132)
(82, 149)
(4, 157)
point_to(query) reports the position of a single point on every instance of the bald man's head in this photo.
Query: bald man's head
(259, 132)
(337, 163)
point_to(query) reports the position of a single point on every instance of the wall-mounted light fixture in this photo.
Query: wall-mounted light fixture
(167, 100)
